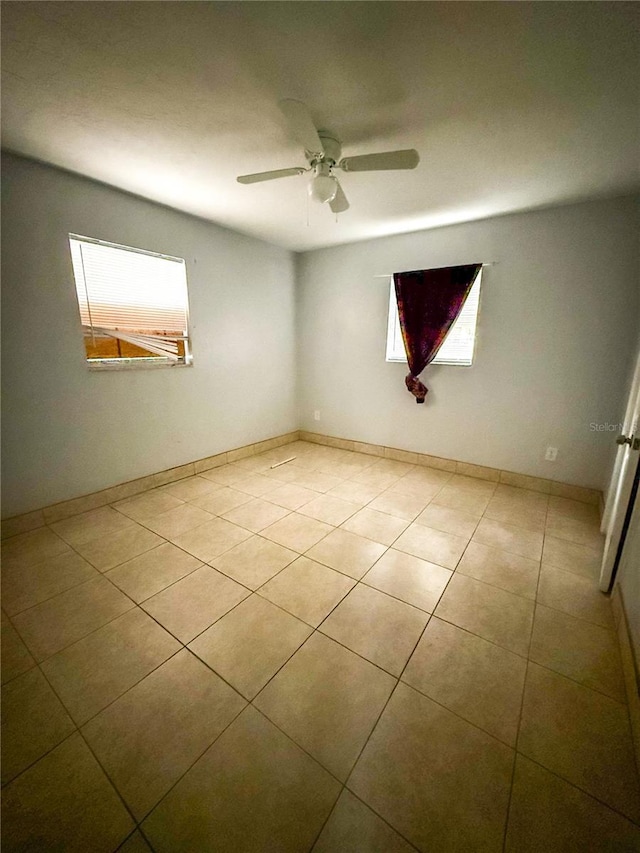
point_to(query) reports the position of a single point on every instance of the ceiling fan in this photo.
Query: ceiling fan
(323, 153)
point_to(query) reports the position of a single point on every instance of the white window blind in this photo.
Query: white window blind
(132, 295)
(459, 344)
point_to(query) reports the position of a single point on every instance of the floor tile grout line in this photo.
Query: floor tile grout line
(342, 784)
(373, 728)
(372, 809)
(190, 530)
(119, 696)
(145, 837)
(564, 571)
(524, 688)
(333, 568)
(108, 777)
(577, 787)
(75, 545)
(295, 559)
(326, 820)
(215, 621)
(579, 683)
(28, 767)
(282, 665)
(435, 606)
(214, 671)
(295, 743)
(79, 730)
(570, 677)
(19, 562)
(555, 568)
(478, 636)
(128, 559)
(99, 574)
(353, 652)
(562, 675)
(557, 609)
(366, 660)
(551, 669)
(138, 830)
(188, 574)
(77, 640)
(488, 583)
(515, 758)
(457, 714)
(448, 621)
(15, 677)
(527, 598)
(534, 602)
(162, 589)
(413, 651)
(190, 767)
(279, 571)
(78, 726)
(99, 627)
(73, 643)
(105, 572)
(202, 562)
(370, 735)
(315, 629)
(282, 607)
(81, 639)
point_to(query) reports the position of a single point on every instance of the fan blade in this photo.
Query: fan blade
(406, 159)
(270, 176)
(301, 126)
(339, 203)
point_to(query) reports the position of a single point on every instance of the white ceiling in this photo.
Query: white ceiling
(511, 105)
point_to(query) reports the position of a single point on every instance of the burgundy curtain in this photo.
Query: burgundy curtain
(429, 303)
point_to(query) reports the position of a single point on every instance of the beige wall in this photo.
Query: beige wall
(66, 431)
(559, 316)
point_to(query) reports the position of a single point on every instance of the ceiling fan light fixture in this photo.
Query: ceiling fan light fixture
(323, 188)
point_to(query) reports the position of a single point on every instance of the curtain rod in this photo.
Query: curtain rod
(488, 264)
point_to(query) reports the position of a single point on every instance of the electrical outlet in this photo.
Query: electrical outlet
(316, 415)
(552, 454)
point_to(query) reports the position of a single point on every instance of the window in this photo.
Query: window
(133, 305)
(459, 344)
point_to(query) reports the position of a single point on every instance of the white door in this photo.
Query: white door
(621, 482)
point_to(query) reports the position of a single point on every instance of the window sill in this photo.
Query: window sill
(98, 367)
(434, 363)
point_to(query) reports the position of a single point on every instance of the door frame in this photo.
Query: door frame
(621, 486)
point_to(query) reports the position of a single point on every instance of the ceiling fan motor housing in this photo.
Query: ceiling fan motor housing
(332, 148)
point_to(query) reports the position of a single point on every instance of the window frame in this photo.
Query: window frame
(395, 344)
(125, 362)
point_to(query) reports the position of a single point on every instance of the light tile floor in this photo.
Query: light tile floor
(343, 653)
